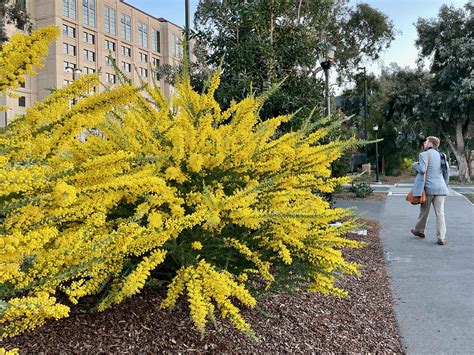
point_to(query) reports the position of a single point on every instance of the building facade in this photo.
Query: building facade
(91, 30)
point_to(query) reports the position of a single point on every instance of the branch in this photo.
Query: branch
(450, 141)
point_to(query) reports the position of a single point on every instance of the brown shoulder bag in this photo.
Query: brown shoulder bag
(416, 200)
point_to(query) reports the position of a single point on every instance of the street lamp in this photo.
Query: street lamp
(74, 71)
(376, 129)
(326, 64)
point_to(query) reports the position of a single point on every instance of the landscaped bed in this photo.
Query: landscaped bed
(300, 322)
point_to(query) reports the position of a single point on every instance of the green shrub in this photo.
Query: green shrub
(362, 190)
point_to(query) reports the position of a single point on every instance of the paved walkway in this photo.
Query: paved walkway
(433, 285)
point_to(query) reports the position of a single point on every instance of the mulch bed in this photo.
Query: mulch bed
(302, 322)
(376, 196)
(470, 197)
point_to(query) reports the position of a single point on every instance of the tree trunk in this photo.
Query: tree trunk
(459, 151)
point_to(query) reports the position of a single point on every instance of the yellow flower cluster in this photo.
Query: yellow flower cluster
(153, 182)
(205, 285)
(30, 312)
(22, 55)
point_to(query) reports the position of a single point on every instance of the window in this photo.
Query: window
(155, 40)
(126, 51)
(88, 70)
(127, 67)
(22, 101)
(108, 61)
(143, 57)
(176, 47)
(88, 12)
(110, 45)
(69, 31)
(23, 85)
(126, 27)
(69, 65)
(111, 78)
(144, 72)
(109, 20)
(155, 61)
(69, 49)
(88, 37)
(89, 55)
(69, 9)
(142, 35)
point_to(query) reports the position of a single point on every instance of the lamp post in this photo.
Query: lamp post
(376, 129)
(326, 64)
(75, 72)
(366, 112)
(186, 30)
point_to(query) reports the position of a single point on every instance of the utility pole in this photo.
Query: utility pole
(186, 31)
(365, 111)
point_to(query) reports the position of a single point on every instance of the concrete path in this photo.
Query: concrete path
(433, 285)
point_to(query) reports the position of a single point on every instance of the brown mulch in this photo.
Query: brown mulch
(302, 322)
(469, 196)
(376, 196)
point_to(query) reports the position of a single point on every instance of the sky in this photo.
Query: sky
(403, 13)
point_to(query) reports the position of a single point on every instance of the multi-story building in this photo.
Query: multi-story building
(90, 31)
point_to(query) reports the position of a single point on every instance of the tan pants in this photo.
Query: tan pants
(438, 205)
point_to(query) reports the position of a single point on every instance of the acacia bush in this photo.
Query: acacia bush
(210, 202)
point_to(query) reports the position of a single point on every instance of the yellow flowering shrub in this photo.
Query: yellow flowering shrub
(21, 55)
(218, 199)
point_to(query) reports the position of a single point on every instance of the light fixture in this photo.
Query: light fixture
(331, 53)
(326, 65)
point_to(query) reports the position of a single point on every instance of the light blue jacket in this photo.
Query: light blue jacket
(436, 183)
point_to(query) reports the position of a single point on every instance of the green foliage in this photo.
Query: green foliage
(362, 190)
(393, 97)
(342, 166)
(13, 13)
(407, 164)
(448, 42)
(265, 42)
(409, 105)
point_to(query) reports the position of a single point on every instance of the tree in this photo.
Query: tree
(448, 41)
(14, 13)
(398, 101)
(262, 43)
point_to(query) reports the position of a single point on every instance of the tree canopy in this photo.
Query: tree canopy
(261, 43)
(448, 42)
(14, 13)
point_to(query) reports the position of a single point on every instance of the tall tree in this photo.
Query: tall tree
(448, 41)
(262, 42)
(13, 12)
(398, 102)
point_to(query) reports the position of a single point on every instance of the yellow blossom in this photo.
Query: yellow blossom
(196, 245)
